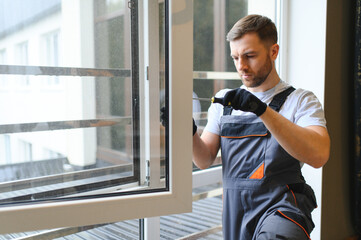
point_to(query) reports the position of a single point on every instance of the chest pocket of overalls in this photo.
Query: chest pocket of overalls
(244, 144)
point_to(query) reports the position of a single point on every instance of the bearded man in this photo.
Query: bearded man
(266, 130)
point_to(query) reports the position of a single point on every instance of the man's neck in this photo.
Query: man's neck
(272, 80)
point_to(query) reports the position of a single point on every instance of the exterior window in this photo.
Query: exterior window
(24, 150)
(22, 58)
(51, 52)
(21, 55)
(213, 67)
(5, 151)
(3, 81)
(2, 56)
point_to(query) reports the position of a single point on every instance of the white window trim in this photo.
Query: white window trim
(112, 209)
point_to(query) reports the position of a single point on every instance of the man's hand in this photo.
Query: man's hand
(164, 119)
(241, 99)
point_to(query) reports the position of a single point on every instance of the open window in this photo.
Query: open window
(82, 84)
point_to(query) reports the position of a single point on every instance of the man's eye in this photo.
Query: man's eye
(250, 56)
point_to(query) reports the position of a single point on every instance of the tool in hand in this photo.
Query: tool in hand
(212, 100)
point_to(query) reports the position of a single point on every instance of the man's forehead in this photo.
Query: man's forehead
(249, 42)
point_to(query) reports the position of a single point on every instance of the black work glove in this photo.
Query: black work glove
(164, 119)
(241, 99)
(194, 127)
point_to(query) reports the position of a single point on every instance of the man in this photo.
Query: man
(264, 143)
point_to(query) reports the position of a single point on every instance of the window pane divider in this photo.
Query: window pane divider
(61, 178)
(70, 183)
(210, 75)
(62, 125)
(63, 71)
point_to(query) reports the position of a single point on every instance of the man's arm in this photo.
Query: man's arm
(205, 149)
(310, 145)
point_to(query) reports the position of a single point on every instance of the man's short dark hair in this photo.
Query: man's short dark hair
(263, 26)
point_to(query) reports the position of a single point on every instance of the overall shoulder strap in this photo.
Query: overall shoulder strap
(227, 110)
(280, 98)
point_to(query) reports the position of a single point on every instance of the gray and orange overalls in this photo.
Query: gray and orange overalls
(265, 195)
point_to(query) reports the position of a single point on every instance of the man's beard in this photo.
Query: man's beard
(260, 76)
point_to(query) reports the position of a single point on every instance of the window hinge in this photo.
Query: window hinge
(147, 173)
(147, 73)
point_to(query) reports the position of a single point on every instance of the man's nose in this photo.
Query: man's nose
(242, 65)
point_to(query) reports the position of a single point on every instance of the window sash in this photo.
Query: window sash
(178, 199)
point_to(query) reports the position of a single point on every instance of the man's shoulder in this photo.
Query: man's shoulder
(302, 101)
(301, 93)
(297, 93)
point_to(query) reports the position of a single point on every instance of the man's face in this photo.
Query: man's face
(252, 59)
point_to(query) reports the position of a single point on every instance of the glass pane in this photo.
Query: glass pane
(212, 20)
(70, 88)
(163, 88)
(61, 33)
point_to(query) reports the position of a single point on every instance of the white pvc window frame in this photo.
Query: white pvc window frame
(113, 209)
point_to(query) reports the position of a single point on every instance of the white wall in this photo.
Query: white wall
(262, 7)
(306, 28)
(307, 46)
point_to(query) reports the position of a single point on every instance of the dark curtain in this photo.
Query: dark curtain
(356, 212)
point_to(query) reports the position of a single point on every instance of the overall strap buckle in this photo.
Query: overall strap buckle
(227, 110)
(280, 98)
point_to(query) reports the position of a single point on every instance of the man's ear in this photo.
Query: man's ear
(274, 49)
